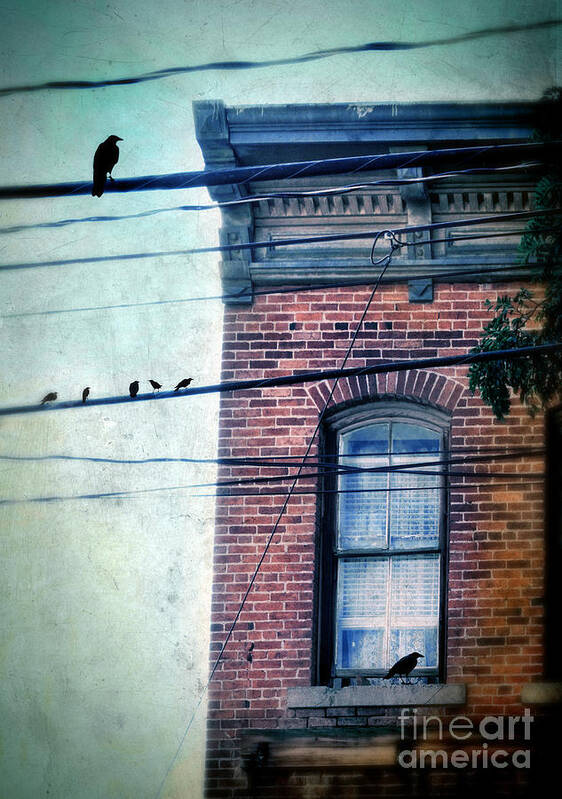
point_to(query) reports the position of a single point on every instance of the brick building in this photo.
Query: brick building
(361, 570)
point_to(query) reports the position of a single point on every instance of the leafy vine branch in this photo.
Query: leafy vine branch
(523, 320)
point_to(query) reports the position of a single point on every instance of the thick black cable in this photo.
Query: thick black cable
(299, 378)
(255, 198)
(483, 457)
(366, 470)
(368, 47)
(490, 154)
(129, 493)
(411, 467)
(318, 492)
(283, 461)
(268, 245)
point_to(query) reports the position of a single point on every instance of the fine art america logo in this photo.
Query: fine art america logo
(489, 744)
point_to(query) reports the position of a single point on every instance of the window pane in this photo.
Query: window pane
(414, 515)
(361, 613)
(409, 438)
(362, 515)
(361, 649)
(414, 607)
(362, 642)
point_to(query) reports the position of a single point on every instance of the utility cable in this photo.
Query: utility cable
(130, 493)
(368, 47)
(272, 244)
(415, 469)
(299, 378)
(280, 171)
(286, 461)
(255, 198)
(246, 292)
(318, 492)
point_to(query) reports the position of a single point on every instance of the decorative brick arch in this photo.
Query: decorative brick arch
(421, 385)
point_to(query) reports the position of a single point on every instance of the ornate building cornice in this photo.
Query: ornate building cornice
(244, 136)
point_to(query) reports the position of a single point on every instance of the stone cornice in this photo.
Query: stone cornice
(266, 134)
(384, 122)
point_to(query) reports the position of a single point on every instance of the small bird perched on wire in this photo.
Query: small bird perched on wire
(85, 393)
(134, 388)
(183, 383)
(155, 385)
(404, 666)
(50, 397)
(105, 159)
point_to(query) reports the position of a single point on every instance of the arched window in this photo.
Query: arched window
(382, 542)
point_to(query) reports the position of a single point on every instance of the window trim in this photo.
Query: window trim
(345, 420)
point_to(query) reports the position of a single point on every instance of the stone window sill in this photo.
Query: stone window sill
(376, 696)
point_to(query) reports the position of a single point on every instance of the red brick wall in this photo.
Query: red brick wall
(496, 535)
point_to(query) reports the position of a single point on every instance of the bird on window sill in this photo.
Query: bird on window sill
(403, 667)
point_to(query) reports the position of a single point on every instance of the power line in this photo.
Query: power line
(130, 493)
(421, 472)
(318, 492)
(482, 270)
(284, 461)
(336, 468)
(255, 198)
(255, 245)
(397, 469)
(299, 378)
(336, 190)
(368, 47)
(393, 470)
(280, 171)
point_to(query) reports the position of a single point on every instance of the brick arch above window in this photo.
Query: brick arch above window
(432, 388)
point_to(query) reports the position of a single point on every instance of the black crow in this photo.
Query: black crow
(50, 397)
(105, 159)
(134, 388)
(403, 666)
(183, 383)
(155, 385)
(85, 393)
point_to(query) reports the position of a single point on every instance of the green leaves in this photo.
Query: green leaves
(522, 320)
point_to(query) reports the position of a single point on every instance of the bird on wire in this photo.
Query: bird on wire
(404, 666)
(85, 393)
(105, 159)
(183, 383)
(50, 397)
(134, 388)
(156, 386)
